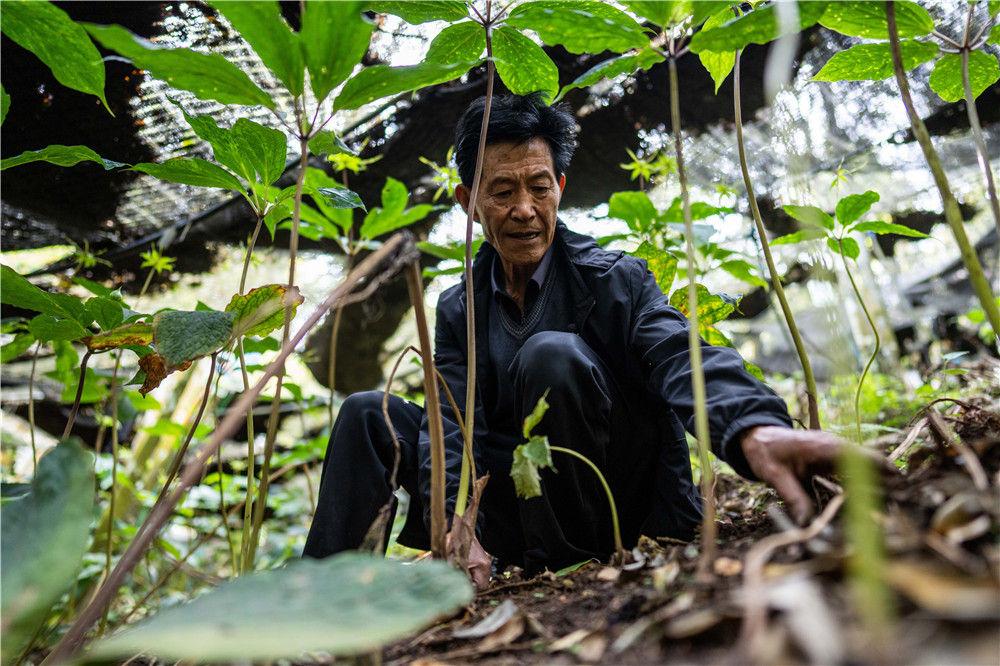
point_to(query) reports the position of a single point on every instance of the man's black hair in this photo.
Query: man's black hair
(517, 119)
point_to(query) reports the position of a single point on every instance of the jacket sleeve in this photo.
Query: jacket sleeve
(450, 360)
(735, 399)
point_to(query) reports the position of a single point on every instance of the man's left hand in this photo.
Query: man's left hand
(783, 458)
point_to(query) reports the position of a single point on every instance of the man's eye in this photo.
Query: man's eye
(540, 189)
(502, 193)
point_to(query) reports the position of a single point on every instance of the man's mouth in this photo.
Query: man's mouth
(524, 235)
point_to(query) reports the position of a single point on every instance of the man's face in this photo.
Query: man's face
(518, 199)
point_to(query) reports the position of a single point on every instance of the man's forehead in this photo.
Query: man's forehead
(504, 158)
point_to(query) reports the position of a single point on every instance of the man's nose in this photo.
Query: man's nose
(522, 210)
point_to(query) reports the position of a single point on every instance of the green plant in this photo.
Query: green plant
(536, 454)
(837, 231)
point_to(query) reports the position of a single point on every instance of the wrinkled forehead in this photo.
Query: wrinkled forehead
(518, 159)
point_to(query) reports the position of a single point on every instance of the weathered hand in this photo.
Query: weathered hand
(783, 458)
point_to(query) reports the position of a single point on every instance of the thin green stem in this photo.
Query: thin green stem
(977, 135)
(31, 408)
(79, 395)
(878, 341)
(175, 464)
(772, 269)
(109, 537)
(619, 548)
(952, 214)
(708, 529)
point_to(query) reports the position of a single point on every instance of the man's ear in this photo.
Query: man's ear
(562, 182)
(462, 196)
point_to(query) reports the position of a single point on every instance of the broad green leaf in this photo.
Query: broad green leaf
(536, 415)
(873, 62)
(351, 603)
(326, 142)
(181, 336)
(613, 67)
(191, 171)
(810, 216)
(743, 270)
(850, 246)
(946, 79)
(581, 26)
(387, 224)
(718, 64)
(879, 227)
(262, 310)
(135, 333)
(74, 306)
(633, 207)
(666, 13)
(522, 64)
(422, 11)
(95, 288)
(388, 217)
(108, 312)
(993, 7)
(811, 233)
(4, 104)
(251, 150)
(712, 308)
(759, 26)
(528, 459)
(21, 343)
(868, 19)
(462, 42)
(17, 291)
(994, 37)
(661, 263)
(699, 211)
(378, 81)
(64, 156)
(59, 42)
(45, 536)
(208, 76)
(334, 37)
(260, 23)
(47, 328)
(338, 197)
(853, 206)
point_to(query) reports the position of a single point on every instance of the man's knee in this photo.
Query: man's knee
(552, 359)
(360, 406)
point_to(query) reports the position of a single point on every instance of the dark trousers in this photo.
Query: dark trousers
(643, 457)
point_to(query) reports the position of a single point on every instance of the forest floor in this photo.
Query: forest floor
(940, 576)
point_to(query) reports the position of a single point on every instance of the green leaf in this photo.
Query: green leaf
(810, 216)
(661, 263)
(712, 308)
(45, 536)
(581, 26)
(665, 13)
(17, 291)
(854, 206)
(61, 44)
(351, 603)
(422, 11)
(260, 23)
(135, 333)
(528, 459)
(64, 156)
(208, 76)
(251, 150)
(326, 142)
(850, 246)
(393, 214)
(191, 171)
(811, 233)
(462, 42)
(262, 310)
(613, 67)
(946, 79)
(868, 19)
(338, 197)
(47, 328)
(879, 227)
(378, 81)
(4, 104)
(759, 26)
(335, 38)
(633, 207)
(522, 64)
(994, 37)
(743, 270)
(21, 343)
(993, 7)
(873, 62)
(107, 311)
(181, 336)
(718, 64)
(536, 415)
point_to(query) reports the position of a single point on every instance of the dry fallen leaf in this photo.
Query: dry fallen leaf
(608, 574)
(727, 566)
(945, 594)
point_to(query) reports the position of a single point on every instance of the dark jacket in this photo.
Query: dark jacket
(623, 316)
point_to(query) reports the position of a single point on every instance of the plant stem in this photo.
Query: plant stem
(619, 548)
(708, 528)
(470, 306)
(272, 422)
(977, 135)
(114, 484)
(175, 464)
(779, 290)
(31, 408)
(878, 341)
(951, 211)
(398, 248)
(79, 394)
(432, 406)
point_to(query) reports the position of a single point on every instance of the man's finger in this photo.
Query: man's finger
(798, 502)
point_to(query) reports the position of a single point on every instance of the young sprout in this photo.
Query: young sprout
(536, 454)
(644, 169)
(445, 176)
(837, 231)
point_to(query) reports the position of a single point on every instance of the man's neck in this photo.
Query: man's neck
(516, 279)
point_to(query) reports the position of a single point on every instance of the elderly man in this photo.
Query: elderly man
(556, 312)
